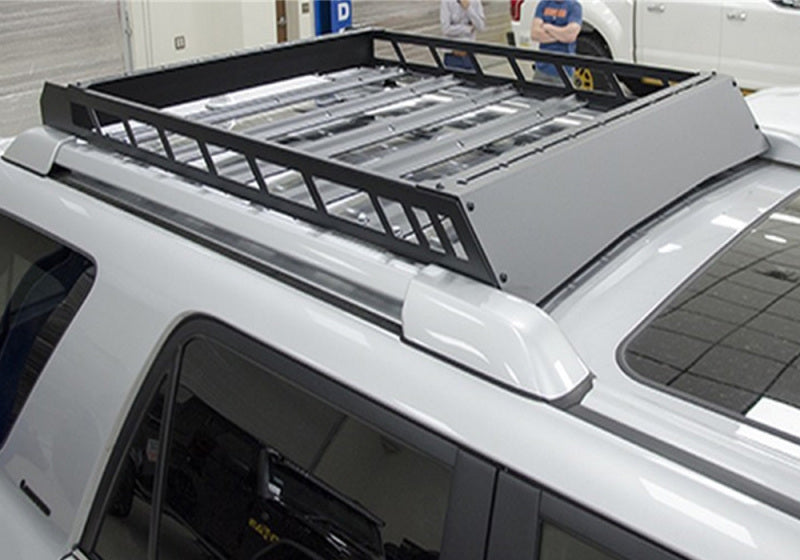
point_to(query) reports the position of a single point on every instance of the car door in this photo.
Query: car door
(235, 451)
(681, 34)
(760, 42)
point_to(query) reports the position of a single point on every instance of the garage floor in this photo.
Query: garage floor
(72, 40)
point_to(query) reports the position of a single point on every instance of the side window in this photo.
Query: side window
(568, 532)
(558, 544)
(42, 284)
(255, 467)
(529, 522)
(129, 513)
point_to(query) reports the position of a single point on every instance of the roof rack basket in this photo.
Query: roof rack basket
(440, 223)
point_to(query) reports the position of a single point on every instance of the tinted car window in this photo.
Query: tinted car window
(42, 284)
(557, 544)
(731, 337)
(126, 527)
(257, 468)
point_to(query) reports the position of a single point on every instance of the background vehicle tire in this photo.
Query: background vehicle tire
(591, 45)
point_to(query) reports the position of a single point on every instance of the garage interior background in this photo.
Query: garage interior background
(67, 41)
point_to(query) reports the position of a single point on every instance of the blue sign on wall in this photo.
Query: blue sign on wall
(333, 15)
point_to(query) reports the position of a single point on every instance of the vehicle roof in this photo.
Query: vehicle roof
(152, 291)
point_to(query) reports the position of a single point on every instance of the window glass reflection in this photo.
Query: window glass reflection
(557, 544)
(125, 529)
(732, 336)
(258, 468)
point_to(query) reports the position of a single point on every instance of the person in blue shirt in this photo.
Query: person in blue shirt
(556, 25)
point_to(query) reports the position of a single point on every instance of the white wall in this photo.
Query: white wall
(167, 31)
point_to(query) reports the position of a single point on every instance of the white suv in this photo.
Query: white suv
(313, 302)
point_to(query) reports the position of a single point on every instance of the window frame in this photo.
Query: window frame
(466, 524)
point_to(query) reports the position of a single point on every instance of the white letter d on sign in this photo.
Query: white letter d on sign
(343, 11)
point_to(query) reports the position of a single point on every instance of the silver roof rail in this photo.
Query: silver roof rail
(497, 335)
(36, 149)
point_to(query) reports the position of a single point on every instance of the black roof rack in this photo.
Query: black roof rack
(399, 204)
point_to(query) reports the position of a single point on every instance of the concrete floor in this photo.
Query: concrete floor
(71, 40)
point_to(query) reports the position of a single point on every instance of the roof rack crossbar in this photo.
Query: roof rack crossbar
(405, 123)
(390, 127)
(353, 107)
(423, 155)
(364, 77)
(346, 109)
(245, 108)
(68, 109)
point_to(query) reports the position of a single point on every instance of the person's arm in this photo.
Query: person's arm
(538, 33)
(474, 10)
(452, 30)
(566, 34)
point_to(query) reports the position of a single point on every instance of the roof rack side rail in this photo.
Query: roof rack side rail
(408, 49)
(177, 83)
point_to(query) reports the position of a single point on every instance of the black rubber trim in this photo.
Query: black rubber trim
(514, 519)
(32, 496)
(466, 530)
(224, 243)
(576, 395)
(718, 473)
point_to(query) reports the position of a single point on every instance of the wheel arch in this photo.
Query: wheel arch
(612, 22)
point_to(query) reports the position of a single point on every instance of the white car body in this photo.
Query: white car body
(754, 40)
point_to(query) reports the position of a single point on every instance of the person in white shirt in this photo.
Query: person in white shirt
(461, 19)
